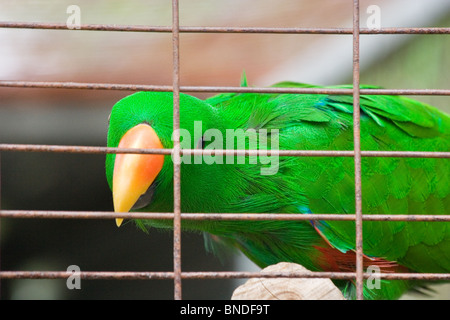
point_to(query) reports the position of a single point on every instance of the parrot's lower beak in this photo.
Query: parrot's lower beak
(134, 173)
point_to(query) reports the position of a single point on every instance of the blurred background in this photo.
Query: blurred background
(52, 181)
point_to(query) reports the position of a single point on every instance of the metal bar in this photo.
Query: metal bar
(176, 153)
(201, 29)
(0, 219)
(357, 155)
(237, 152)
(82, 85)
(78, 149)
(332, 91)
(215, 89)
(142, 275)
(52, 214)
(121, 275)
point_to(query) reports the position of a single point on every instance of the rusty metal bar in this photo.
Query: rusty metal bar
(78, 149)
(142, 275)
(215, 89)
(0, 219)
(201, 29)
(357, 155)
(129, 275)
(332, 91)
(176, 153)
(237, 152)
(52, 214)
(82, 85)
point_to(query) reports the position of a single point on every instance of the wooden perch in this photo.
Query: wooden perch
(287, 288)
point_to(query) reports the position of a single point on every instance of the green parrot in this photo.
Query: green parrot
(295, 185)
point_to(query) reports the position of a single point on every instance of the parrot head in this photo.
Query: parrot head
(144, 120)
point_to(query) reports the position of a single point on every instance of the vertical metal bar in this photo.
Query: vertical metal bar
(0, 220)
(176, 153)
(357, 155)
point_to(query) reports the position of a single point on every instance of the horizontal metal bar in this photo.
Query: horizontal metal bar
(78, 149)
(142, 275)
(230, 152)
(405, 154)
(214, 89)
(203, 29)
(52, 214)
(330, 91)
(162, 88)
(124, 275)
(83, 85)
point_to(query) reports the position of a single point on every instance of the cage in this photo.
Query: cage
(68, 67)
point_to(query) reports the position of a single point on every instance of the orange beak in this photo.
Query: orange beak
(134, 173)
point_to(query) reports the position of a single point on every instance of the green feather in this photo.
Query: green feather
(244, 82)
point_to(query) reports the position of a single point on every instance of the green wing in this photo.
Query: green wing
(326, 185)
(393, 185)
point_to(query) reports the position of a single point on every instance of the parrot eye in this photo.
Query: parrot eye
(200, 143)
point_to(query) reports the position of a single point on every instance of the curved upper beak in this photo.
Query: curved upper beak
(134, 173)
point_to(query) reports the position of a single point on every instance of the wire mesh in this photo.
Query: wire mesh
(357, 154)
